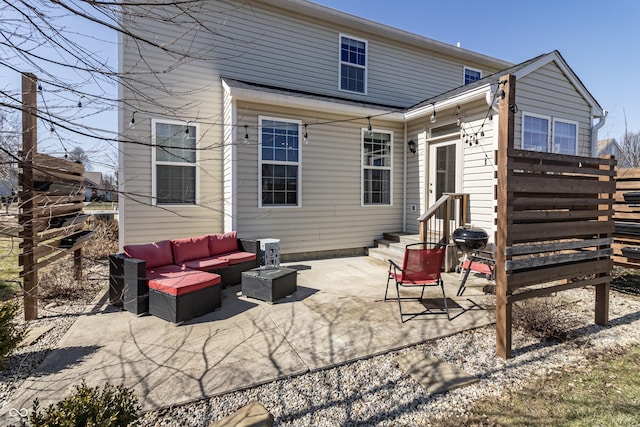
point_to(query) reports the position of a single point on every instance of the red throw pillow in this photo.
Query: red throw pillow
(190, 248)
(155, 254)
(223, 243)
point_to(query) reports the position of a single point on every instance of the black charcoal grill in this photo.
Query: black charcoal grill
(469, 239)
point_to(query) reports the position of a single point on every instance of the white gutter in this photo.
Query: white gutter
(594, 133)
(470, 96)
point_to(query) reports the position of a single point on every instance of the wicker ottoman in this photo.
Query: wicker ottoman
(269, 283)
(180, 296)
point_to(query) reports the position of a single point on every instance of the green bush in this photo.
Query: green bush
(10, 333)
(90, 407)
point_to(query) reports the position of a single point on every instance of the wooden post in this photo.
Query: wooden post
(77, 263)
(29, 147)
(602, 289)
(506, 126)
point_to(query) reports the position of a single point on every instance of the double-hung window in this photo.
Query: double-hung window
(565, 137)
(553, 135)
(174, 177)
(376, 167)
(279, 180)
(353, 64)
(471, 75)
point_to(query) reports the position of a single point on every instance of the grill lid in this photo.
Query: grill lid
(469, 238)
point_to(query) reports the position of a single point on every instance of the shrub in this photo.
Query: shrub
(10, 332)
(544, 317)
(90, 406)
(105, 240)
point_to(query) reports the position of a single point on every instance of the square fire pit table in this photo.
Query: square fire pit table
(269, 283)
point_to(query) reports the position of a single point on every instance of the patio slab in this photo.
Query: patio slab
(337, 315)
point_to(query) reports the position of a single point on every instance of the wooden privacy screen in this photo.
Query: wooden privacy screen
(51, 203)
(626, 243)
(554, 222)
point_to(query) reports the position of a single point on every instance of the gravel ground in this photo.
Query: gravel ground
(376, 391)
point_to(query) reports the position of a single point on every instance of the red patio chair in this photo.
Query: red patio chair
(421, 267)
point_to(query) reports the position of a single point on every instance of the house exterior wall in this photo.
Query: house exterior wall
(547, 92)
(264, 44)
(331, 216)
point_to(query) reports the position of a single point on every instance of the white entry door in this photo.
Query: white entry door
(443, 173)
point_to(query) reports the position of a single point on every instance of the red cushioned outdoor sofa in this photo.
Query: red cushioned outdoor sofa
(179, 279)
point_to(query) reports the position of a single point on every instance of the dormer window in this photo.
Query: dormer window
(353, 64)
(471, 75)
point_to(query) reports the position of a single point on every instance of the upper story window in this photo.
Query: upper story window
(376, 167)
(471, 75)
(279, 180)
(353, 64)
(542, 133)
(174, 158)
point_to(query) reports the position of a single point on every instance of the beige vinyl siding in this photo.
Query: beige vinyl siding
(416, 174)
(547, 92)
(262, 44)
(331, 215)
(266, 45)
(478, 168)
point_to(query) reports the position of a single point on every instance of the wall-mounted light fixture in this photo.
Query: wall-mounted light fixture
(412, 146)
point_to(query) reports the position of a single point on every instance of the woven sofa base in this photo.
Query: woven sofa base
(232, 275)
(177, 309)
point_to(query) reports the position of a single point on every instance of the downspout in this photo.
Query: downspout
(404, 182)
(594, 133)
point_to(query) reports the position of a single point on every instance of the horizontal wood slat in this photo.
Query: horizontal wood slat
(536, 156)
(558, 230)
(45, 161)
(551, 274)
(533, 262)
(555, 168)
(555, 215)
(558, 246)
(557, 184)
(533, 293)
(520, 202)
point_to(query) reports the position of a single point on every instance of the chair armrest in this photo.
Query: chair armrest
(393, 264)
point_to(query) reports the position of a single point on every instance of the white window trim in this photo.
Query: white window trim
(539, 116)
(154, 163)
(362, 166)
(366, 63)
(298, 163)
(570, 122)
(464, 72)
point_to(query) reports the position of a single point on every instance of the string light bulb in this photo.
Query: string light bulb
(433, 116)
(369, 129)
(305, 138)
(132, 123)
(80, 101)
(246, 134)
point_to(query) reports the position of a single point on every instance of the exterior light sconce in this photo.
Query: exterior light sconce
(412, 146)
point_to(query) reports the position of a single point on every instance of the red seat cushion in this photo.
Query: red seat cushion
(223, 243)
(182, 282)
(155, 254)
(478, 267)
(190, 248)
(238, 257)
(207, 264)
(400, 278)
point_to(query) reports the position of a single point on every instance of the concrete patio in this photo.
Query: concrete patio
(337, 315)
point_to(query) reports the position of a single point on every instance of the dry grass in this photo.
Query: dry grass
(9, 251)
(602, 394)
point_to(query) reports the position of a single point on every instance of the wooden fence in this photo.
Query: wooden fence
(626, 237)
(51, 202)
(554, 222)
